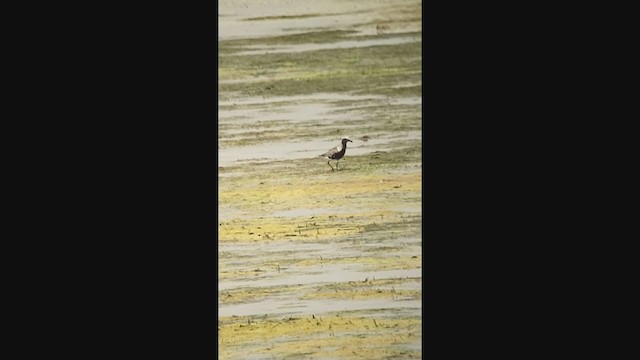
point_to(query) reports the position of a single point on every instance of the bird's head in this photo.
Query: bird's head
(345, 139)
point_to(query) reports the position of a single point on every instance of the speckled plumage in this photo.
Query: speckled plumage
(336, 153)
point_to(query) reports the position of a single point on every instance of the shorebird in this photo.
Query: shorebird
(336, 153)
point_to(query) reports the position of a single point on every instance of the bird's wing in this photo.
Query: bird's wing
(334, 150)
(331, 152)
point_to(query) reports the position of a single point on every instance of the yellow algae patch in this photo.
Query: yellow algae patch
(305, 227)
(284, 228)
(224, 274)
(314, 227)
(358, 290)
(361, 294)
(322, 336)
(379, 262)
(381, 282)
(315, 193)
(243, 295)
(368, 289)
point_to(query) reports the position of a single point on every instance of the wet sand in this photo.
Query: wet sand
(315, 263)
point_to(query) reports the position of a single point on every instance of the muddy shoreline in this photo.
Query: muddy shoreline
(315, 263)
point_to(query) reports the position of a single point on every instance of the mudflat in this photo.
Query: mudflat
(315, 263)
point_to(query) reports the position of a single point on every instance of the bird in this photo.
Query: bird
(336, 153)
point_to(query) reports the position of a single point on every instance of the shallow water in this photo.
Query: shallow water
(295, 237)
(234, 16)
(305, 149)
(289, 307)
(318, 274)
(337, 45)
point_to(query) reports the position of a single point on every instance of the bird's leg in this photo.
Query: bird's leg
(338, 162)
(328, 163)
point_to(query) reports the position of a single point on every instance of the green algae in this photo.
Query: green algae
(288, 202)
